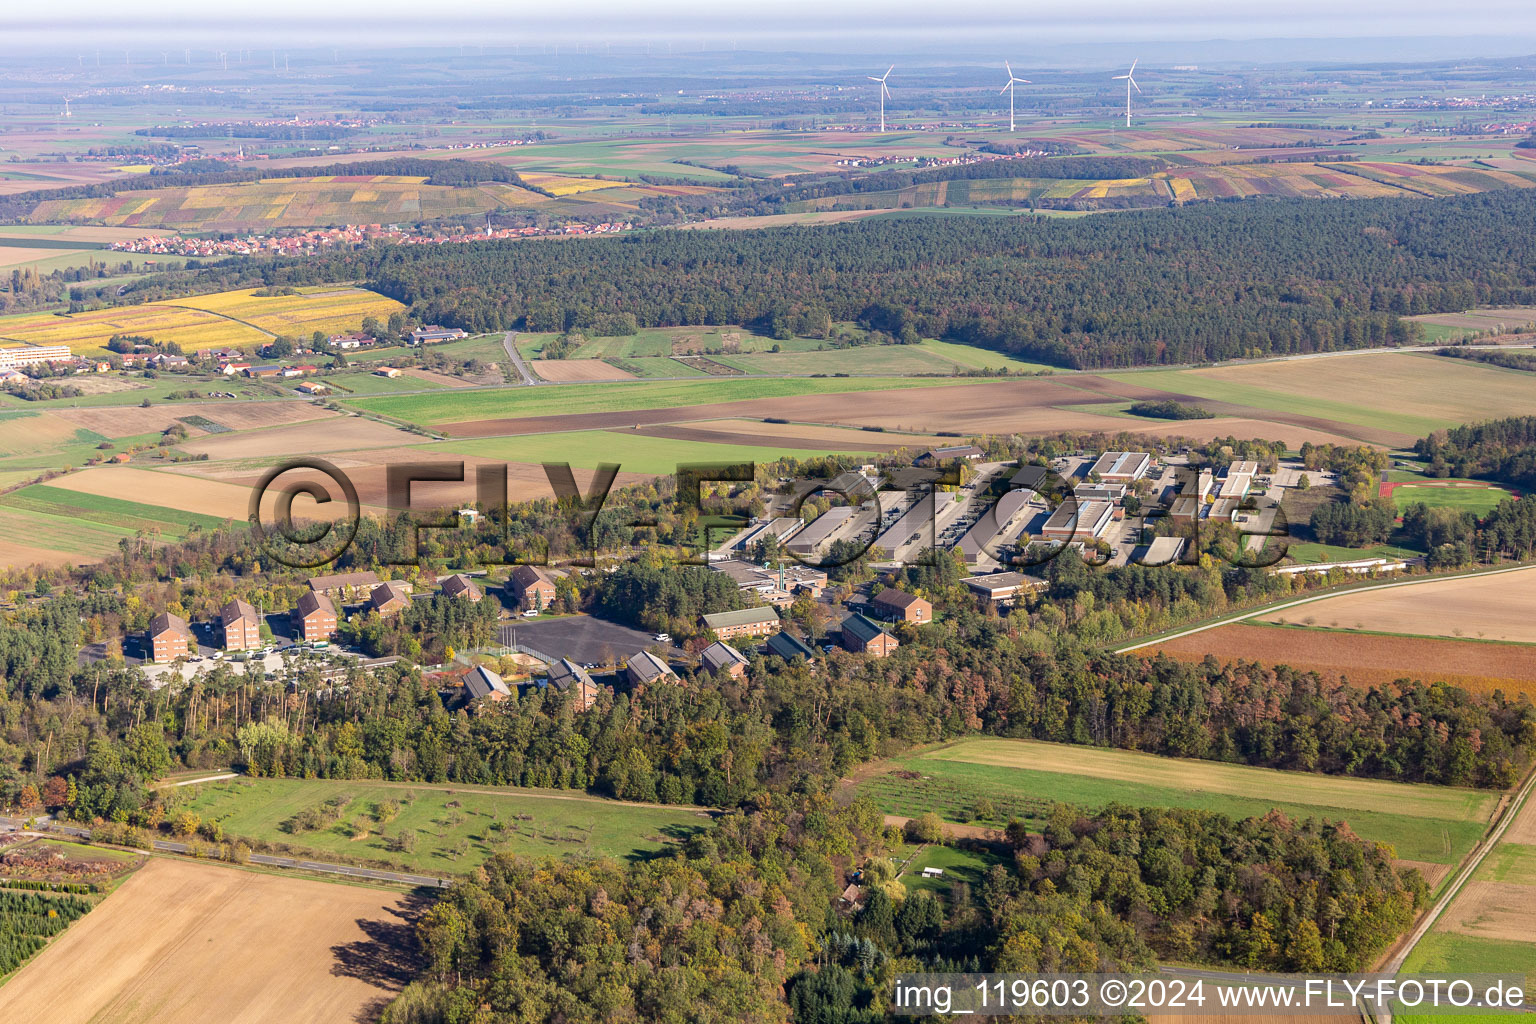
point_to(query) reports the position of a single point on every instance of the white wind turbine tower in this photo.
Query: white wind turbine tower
(1129, 81)
(1009, 90)
(884, 92)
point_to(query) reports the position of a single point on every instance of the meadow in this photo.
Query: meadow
(1023, 778)
(623, 397)
(454, 828)
(1477, 498)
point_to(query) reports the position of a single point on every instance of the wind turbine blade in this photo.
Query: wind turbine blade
(1006, 87)
(872, 78)
(1120, 78)
(888, 72)
(1009, 67)
(1024, 80)
(886, 88)
(1133, 82)
(1134, 62)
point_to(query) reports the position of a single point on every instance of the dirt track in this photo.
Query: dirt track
(188, 943)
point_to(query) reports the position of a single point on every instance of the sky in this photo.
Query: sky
(1509, 26)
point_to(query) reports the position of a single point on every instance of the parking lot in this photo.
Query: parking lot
(585, 639)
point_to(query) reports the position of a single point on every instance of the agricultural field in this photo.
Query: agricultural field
(1489, 606)
(453, 828)
(1487, 927)
(326, 308)
(235, 319)
(199, 943)
(67, 509)
(1372, 390)
(633, 451)
(1501, 320)
(1364, 657)
(1023, 778)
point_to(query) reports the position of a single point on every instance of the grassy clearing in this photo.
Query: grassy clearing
(969, 866)
(1429, 823)
(454, 827)
(1310, 552)
(616, 397)
(983, 359)
(1448, 954)
(635, 453)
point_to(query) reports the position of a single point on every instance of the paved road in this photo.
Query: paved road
(509, 342)
(269, 860)
(1269, 608)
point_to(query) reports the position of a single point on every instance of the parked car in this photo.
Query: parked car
(662, 638)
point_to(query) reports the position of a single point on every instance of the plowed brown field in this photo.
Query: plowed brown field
(1364, 658)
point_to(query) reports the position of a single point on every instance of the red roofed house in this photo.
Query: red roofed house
(900, 606)
(315, 617)
(167, 637)
(241, 626)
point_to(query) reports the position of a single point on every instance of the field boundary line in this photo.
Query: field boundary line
(1309, 599)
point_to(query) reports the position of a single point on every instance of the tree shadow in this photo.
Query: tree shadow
(388, 956)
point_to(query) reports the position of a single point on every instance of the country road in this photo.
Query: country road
(509, 342)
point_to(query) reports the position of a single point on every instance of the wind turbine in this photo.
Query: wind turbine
(1009, 90)
(1129, 81)
(884, 92)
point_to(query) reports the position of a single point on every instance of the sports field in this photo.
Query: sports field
(183, 942)
(453, 827)
(1479, 499)
(1023, 778)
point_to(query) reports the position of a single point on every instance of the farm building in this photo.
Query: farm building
(350, 341)
(263, 371)
(789, 647)
(315, 617)
(432, 334)
(645, 667)
(387, 371)
(389, 598)
(863, 636)
(934, 456)
(312, 387)
(167, 637)
(240, 626)
(345, 586)
(899, 606)
(459, 585)
(1121, 467)
(1003, 589)
(533, 587)
(718, 657)
(742, 622)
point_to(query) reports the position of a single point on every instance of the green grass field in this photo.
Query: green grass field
(1509, 862)
(1023, 778)
(1448, 954)
(1310, 552)
(475, 821)
(1480, 499)
(69, 510)
(617, 397)
(969, 866)
(635, 453)
(365, 382)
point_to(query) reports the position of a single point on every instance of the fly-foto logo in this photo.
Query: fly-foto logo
(911, 512)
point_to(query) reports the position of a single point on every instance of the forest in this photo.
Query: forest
(721, 930)
(1499, 450)
(1181, 286)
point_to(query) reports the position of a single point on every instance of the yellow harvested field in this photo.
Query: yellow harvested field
(815, 431)
(168, 490)
(328, 309)
(17, 256)
(1492, 910)
(1523, 829)
(436, 378)
(1204, 430)
(182, 942)
(1488, 607)
(565, 370)
(89, 332)
(560, 185)
(34, 432)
